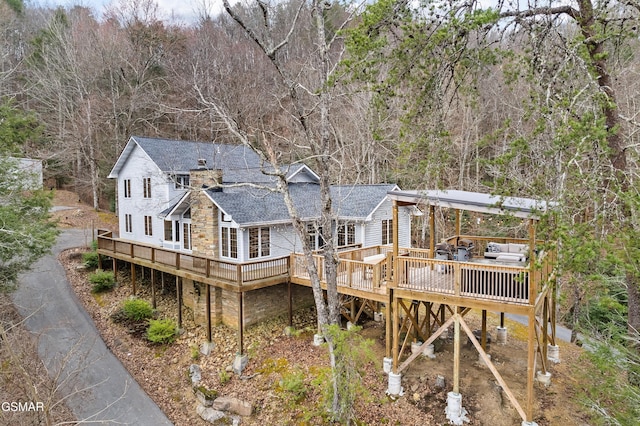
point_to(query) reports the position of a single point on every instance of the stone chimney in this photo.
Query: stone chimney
(204, 214)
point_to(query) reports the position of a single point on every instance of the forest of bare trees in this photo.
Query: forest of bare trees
(537, 101)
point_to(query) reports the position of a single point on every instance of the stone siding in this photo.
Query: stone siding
(204, 214)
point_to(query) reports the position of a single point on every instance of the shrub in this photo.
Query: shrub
(90, 259)
(102, 280)
(137, 309)
(162, 331)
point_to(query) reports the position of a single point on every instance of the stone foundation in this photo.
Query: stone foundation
(258, 305)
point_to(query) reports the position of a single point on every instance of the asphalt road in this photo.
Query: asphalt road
(99, 389)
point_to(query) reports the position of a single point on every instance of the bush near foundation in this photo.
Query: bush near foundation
(90, 260)
(137, 309)
(162, 331)
(102, 281)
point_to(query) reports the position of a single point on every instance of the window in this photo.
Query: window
(148, 226)
(127, 188)
(181, 181)
(259, 242)
(230, 242)
(168, 230)
(346, 234)
(186, 227)
(387, 231)
(127, 223)
(177, 230)
(315, 236)
(146, 187)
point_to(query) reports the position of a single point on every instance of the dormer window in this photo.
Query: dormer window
(181, 181)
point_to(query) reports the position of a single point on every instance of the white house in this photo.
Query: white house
(195, 197)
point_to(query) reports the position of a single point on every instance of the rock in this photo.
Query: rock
(239, 363)
(232, 405)
(209, 414)
(206, 348)
(195, 373)
(205, 396)
(416, 397)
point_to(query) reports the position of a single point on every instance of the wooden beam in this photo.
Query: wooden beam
(395, 229)
(388, 324)
(493, 370)
(432, 231)
(396, 320)
(531, 358)
(456, 351)
(430, 340)
(483, 336)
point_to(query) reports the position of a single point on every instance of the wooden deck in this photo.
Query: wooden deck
(362, 272)
(227, 275)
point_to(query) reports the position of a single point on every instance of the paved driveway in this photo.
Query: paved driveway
(100, 389)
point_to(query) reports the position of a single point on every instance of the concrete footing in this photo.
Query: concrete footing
(553, 353)
(525, 423)
(386, 364)
(206, 348)
(350, 325)
(429, 351)
(501, 335)
(415, 347)
(395, 385)
(481, 362)
(456, 414)
(239, 363)
(543, 378)
(378, 316)
(318, 339)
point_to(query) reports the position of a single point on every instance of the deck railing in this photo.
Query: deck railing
(416, 270)
(234, 273)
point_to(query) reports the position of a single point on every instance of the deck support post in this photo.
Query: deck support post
(208, 303)
(240, 324)
(483, 336)
(133, 278)
(99, 261)
(396, 321)
(531, 363)
(290, 300)
(456, 351)
(153, 288)
(432, 232)
(389, 324)
(114, 264)
(179, 299)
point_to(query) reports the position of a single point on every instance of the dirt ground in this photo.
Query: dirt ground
(274, 359)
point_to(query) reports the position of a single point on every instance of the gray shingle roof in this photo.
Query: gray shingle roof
(255, 206)
(237, 162)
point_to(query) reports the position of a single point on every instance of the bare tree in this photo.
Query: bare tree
(299, 119)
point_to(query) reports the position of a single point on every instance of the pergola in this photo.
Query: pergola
(536, 297)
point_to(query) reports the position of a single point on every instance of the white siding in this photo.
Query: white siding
(137, 167)
(373, 229)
